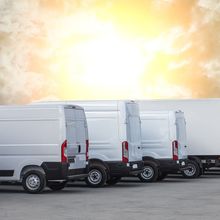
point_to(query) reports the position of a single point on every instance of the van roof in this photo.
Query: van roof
(161, 112)
(54, 104)
(93, 104)
(39, 105)
(187, 99)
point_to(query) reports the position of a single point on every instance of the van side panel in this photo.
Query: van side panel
(27, 140)
(104, 135)
(156, 135)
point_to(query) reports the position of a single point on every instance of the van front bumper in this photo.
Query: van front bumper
(118, 168)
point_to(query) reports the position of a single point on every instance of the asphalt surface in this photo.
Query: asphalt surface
(173, 198)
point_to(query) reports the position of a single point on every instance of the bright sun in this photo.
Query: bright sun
(106, 64)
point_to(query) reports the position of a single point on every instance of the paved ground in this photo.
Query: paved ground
(173, 198)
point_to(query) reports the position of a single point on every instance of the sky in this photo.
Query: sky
(109, 49)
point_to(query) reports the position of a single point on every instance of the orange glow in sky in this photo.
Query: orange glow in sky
(115, 49)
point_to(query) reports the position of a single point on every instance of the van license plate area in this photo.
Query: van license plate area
(71, 159)
(208, 161)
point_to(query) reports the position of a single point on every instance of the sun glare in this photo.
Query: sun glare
(107, 64)
(110, 60)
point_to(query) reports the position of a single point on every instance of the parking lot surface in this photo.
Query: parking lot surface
(173, 198)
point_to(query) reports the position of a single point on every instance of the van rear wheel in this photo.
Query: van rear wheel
(149, 173)
(34, 181)
(193, 170)
(56, 186)
(97, 176)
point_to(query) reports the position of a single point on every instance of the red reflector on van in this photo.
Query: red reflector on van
(175, 150)
(87, 150)
(64, 158)
(125, 151)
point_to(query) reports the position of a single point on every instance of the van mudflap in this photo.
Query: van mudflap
(55, 170)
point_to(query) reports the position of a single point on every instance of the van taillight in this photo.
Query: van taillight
(87, 150)
(64, 152)
(175, 150)
(125, 151)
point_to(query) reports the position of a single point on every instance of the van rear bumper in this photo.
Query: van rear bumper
(118, 168)
(61, 171)
(173, 166)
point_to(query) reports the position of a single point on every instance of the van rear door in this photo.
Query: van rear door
(181, 135)
(81, 137)
(71, 134)
(76, 137)
(133, 132)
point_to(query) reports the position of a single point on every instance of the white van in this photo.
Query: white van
(43, 145)
(114, 138)
(163, 142)
(203, 125)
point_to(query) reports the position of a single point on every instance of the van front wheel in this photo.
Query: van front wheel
(149, 173)
(97, 176)
(34, 181)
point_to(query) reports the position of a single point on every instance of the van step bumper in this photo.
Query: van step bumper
(172, 166)
(61, 171)
(118, 168)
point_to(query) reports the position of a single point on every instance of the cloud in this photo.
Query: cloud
(33, 49)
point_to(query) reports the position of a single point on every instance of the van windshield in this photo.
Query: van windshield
(134, 129)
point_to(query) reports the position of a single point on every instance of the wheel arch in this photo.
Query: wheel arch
(28, 168)
(197, 160)
(150, 160)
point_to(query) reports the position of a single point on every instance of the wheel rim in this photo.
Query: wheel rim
(147, 173)
(95, 176)
(33, 182)
(191, 170)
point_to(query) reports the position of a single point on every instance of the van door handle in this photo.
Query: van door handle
(139, 147)
(79, 148)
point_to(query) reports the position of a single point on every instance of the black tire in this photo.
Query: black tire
(161, 176)
(149, 174)
(113, 180)
(56, 186)
(97, 176)
(34, 181)
(193, 171)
